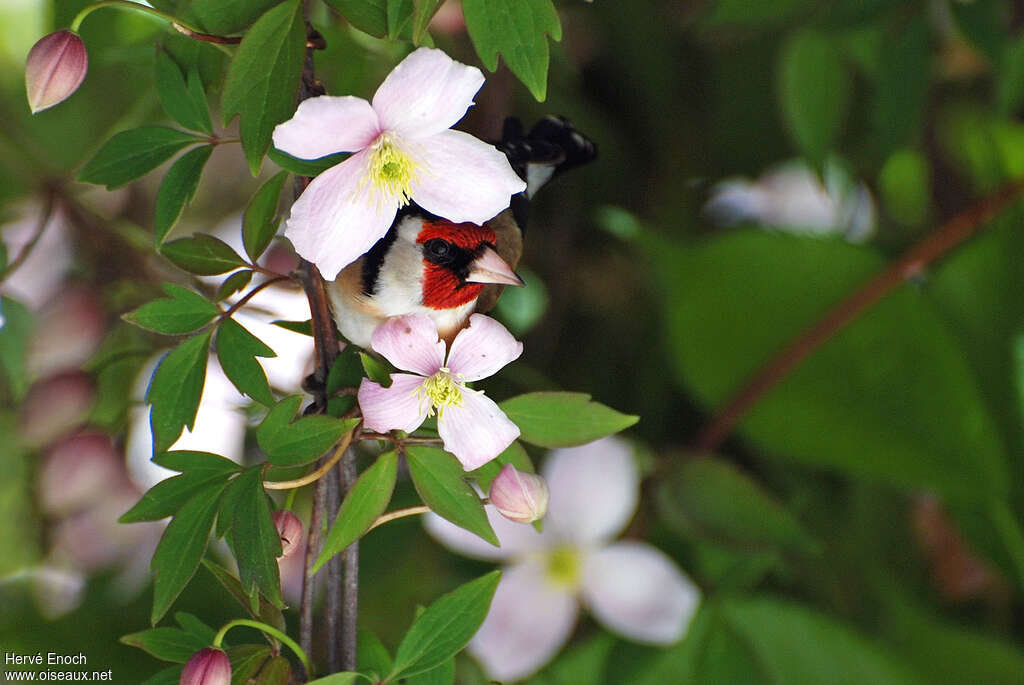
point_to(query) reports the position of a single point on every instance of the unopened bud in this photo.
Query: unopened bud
(290, 529)
(55, 67)
(519, 496)
(208, 666)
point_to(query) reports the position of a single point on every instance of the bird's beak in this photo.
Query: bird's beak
(489, 267)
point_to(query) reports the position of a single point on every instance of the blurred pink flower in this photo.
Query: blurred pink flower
(471, 425)
(80, 471)
(55, 67)
(403, 150)
(631, 587)
(56, 405)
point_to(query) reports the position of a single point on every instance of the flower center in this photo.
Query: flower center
(391, 170)
(442, 391)
(563, 567)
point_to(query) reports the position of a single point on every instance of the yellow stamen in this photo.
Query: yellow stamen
(391, 170)
(441, 391)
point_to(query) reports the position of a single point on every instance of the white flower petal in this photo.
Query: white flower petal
(517, 539)
(475, 431)
(338, 217)
(482, 349)
(410, 343)
(636, 590)
(426, 93)
(397, 407)
(461, 178)
(327, 124)
(528, 623)
(594, 490)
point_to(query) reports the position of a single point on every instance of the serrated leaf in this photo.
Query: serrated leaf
(237, 349)
(177, 189)
(303, 327)
(184, 312)
(447, 625)
(563, 419)
(288, 443)
(175, 390)
(814, 89)
(258, 224)
(263, 77)
(169, 495)
(518, 29)
(166, 644)
(254, 538)
(266, 612)
(202, 255)
(514, 454)
(441, 483)
(131, 154)
(233, 284)
(367, 500)
(181, 99)
(181, 547)
(304, 167)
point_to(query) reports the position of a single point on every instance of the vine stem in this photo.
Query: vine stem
(264, 628)
(178, 24)
(398, 514)
(339, 452)
(910, 264)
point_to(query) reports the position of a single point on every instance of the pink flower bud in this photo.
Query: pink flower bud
(208, 666)
(519, 496)
(55, 67)
(290, 529)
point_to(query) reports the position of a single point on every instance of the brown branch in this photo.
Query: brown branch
(911, 263)
(44, 221)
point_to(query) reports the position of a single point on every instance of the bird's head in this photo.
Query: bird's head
(458, 261)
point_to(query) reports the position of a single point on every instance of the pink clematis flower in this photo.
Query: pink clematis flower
(631, 587)
(404, 151)
(471, 425)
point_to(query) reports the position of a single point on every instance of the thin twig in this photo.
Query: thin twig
(44, 221)
(339, 452)
(398, 514)
(226, 314)
(366, 435)
(913, 262)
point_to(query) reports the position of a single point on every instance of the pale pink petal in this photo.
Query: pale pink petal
(426, 93)
(594, 490)
(410, 343)
(327, 124)
(517, 539)
(475, 431)
(337, 218)
(398, 407)
(637, 591)
(482, 349)
(529, 622)
(462, 178)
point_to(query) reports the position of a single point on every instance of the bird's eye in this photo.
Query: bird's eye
(438, 248)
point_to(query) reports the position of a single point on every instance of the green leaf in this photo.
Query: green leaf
(278, 671)
(258, 225)
(905, 186)
(423, 12)
(237, 349)
(188, 461)
(202, 254)
(372, 654)
(304, 167)
(233, 284)
(263, 77)
(908, 409)
(710, 498)
(168, 676)
(514, 454)
(369, 16)
(563, 419)
(175, 390)
(14, 336)
(247, 660)
(367, 500)
(166, 644)
(901, 94)
(441, 631)
(184, 312)
(222, 17)
(177, 189)
(301, 442)
(169, 495)
(441, 675)
(184, 101)
(516, 29)
(376, 370)
(193, 625)
(346, 372)
(131, 154)
(303, 327)
(181, 547)
(441, 483)
(343, 678)
(398, 12)
(254, 538)
(1009, 91)
(814, 89)
(583, 664)
(266, 612)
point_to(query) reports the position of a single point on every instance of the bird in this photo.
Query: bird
(426, 264)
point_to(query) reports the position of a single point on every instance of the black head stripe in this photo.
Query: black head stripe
(374, 259)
